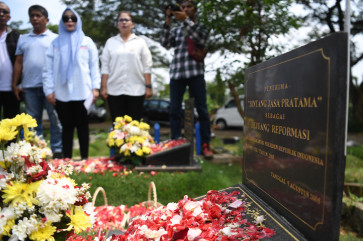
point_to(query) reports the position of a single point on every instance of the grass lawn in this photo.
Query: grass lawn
(133, 188)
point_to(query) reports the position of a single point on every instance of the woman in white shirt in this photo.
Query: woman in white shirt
(71, 80)
(126, 71)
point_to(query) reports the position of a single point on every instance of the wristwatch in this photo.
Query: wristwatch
(149, 86)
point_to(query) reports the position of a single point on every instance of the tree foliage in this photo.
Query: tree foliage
(328, 17)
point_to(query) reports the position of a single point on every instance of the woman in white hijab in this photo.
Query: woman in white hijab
(71, 80)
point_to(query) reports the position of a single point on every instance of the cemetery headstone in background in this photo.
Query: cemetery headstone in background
(178, 158)
(189, 126)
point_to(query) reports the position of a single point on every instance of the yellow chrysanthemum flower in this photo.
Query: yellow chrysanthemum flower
(134, 123)
(127, 118)
(18, 192)
(44, 233)
(119, 142)
(146, 149)
(111, 142)
(7, 133)
(144, 126)
(23, 120)
(119, 119)
(118, 126)
(80, 221)
(127, 153)
(8, 226)
(139, 152)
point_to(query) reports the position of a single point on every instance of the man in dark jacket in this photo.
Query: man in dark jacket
(9, 104)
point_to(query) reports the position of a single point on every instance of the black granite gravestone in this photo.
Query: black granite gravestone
(179, 158)
(294, 135)
(189, 126)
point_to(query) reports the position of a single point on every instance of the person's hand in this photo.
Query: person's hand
(104, 93)
(168, 12)
(17, 91)
(148, 93)
(180, 15)
(51, 98)
(95, 93)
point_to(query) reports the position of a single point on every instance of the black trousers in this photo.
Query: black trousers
(9, 105)
(121, 105)
(72, 115)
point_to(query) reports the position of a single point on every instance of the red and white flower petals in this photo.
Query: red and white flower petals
(219, 216)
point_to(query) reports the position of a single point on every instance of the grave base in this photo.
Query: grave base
(175, 156)
(165, 168)
(256, 207)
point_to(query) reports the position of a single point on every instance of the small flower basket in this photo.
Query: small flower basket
(145, 206)
(108, 217)
(130, 139)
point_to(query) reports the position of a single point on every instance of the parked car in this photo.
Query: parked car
(158, 110)
(228, 115)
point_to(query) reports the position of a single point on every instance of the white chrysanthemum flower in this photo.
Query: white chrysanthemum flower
(52, 216)
(134, 130)
(134, 148)
(24, 227)
(5, 215)
(61, 190)
(34, 169)
(89, 209)
(21, 148)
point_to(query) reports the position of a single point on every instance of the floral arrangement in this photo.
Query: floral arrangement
(37, 201)
(131, 138)
(218, 216)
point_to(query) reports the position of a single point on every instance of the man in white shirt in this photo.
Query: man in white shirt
(30, 61)
(9, 104)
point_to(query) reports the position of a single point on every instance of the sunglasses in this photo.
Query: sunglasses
(4, 11)
(66, 18)
(124, 20)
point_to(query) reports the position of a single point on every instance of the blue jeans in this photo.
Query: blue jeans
(197, 88)
(35, 101)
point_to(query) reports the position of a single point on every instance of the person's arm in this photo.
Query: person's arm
(147, 63)
(148, 89)
(94, 71)
(166, 38)
(105, 69)
(48, 76)
(104, 80)
(18, 68)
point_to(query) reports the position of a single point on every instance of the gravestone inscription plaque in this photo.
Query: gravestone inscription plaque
(294, 135)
